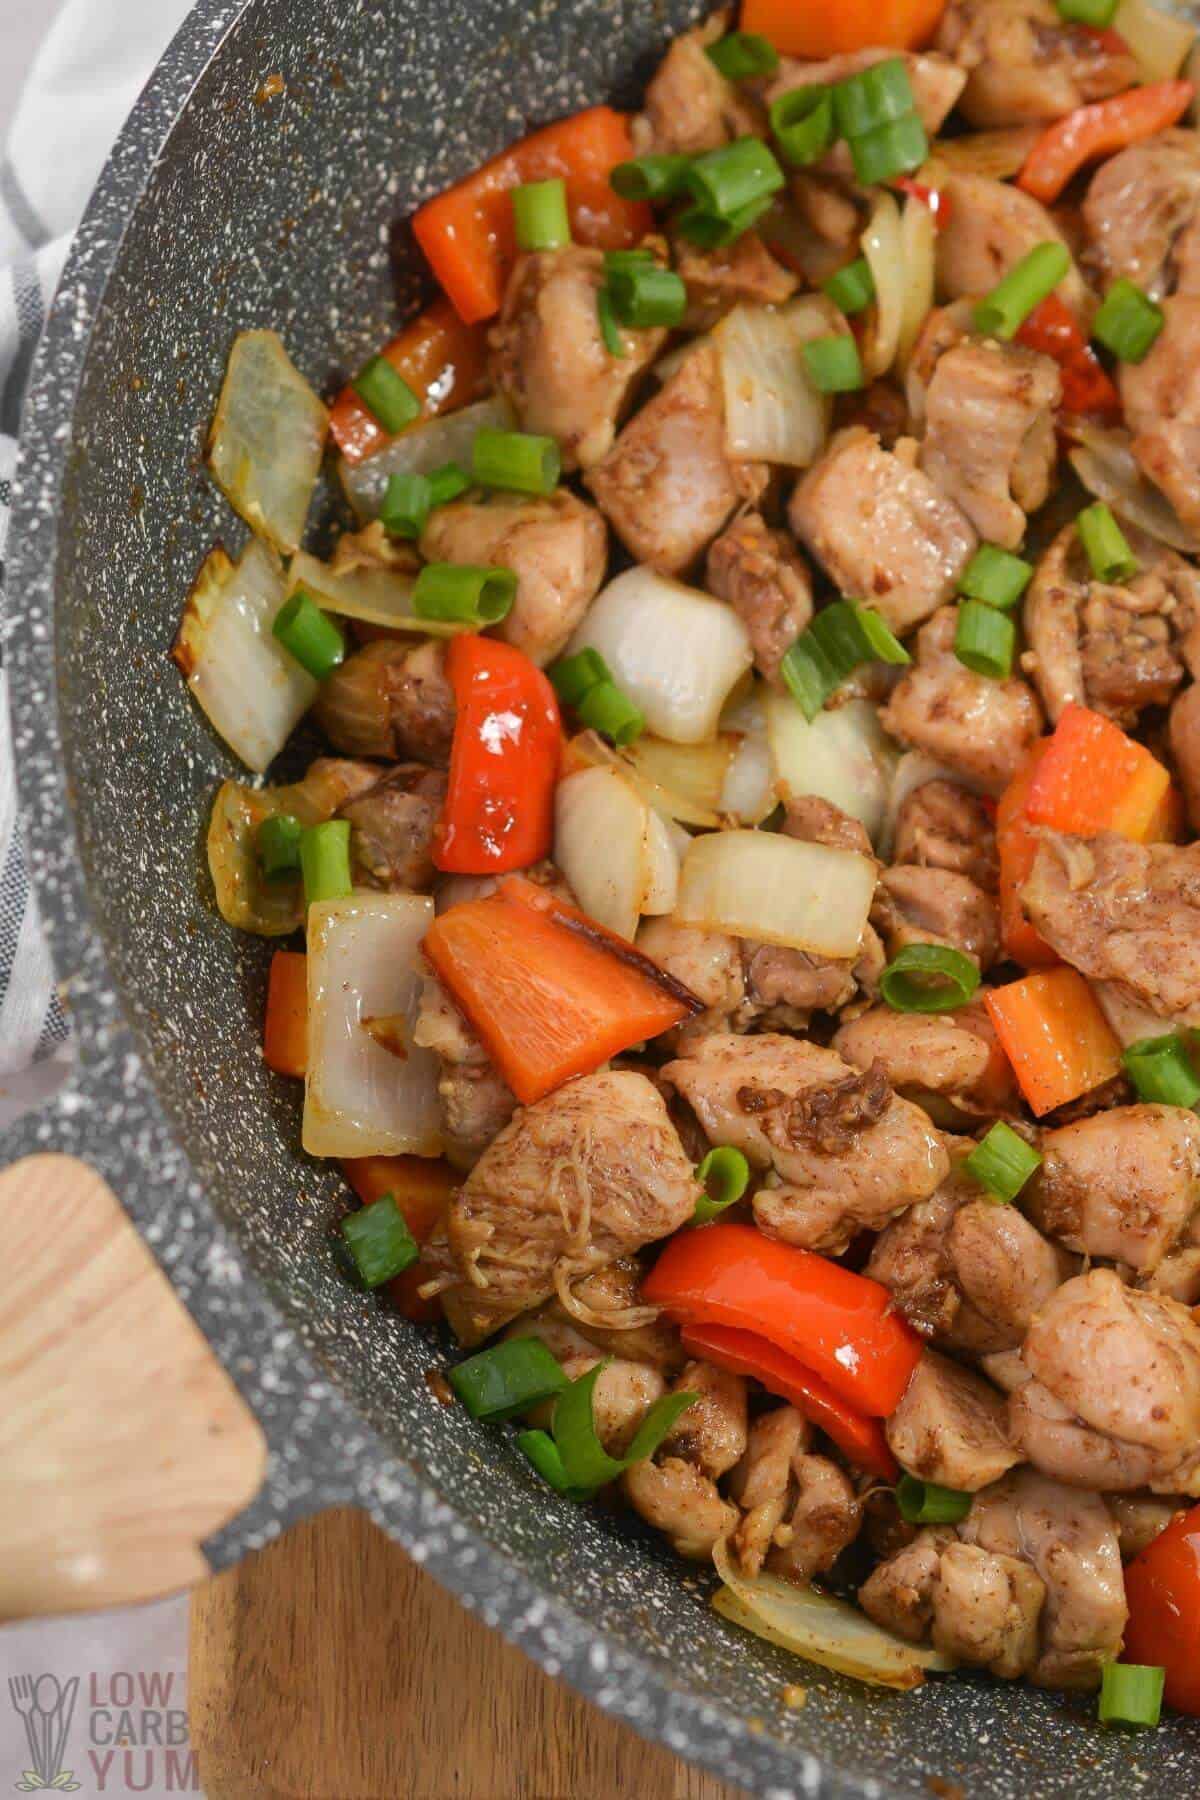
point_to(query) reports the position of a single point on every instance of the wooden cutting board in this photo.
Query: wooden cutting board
(328, 1667)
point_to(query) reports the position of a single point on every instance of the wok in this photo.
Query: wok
(236, 199)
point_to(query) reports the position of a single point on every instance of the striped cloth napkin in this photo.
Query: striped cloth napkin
(88, 73)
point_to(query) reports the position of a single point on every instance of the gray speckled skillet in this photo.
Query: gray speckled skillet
(222, 208)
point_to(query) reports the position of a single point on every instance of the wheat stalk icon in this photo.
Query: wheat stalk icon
(47, 1707)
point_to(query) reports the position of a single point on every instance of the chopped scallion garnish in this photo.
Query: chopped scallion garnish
(464, 593)
(928, 1503)
(1002, 313)
(609, 329)
(278, 844)
(833, 364)
(1002, 1162)
(540, 215)
(380, 1241)
(647, 295)
(574, 676)
(839, 638)
(407, 501)
(309, 634)
(1131, 1694)
(544, 1454)
(1128, 322)
(710, 231)
(507, 1379)
(928, 978)
(802, 121)
(586, 1463)
(517, 460)
(724, 1174)
(446, 484)
(1162, 1071)
(653, 178)
(996, 577)
(325, 861)
(852, 288)
(604, 708)
(1106, 545)
(1098, 14)
(890, 150)
(725, 182)
(386, 395)
(878, 95)
(741, 55)
(984, 640)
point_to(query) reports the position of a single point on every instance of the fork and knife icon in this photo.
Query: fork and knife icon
(47, 1708)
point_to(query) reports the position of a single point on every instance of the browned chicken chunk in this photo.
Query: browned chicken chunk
(988, 227)
(1161, 397)
(989, 434)
(799, 1511)
(980, 728)
(717, 280)
(711, 1434)
(389, 699)
(667, 485)
(1025, 62)
(953, 1055)
(1140, 214)
(949, 1427)
(1123, 1185)
(942, 825)
(477, 1102)
(766, 581)
(935, 906)
(392, 827)
(689, 105)
(676, 1491)
(1184, 732)
(880, 529)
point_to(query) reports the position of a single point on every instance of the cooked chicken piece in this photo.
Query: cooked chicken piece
(765, 580)
(817, 821)
(557, 548)
(667, 486)
(985, 229)
(1026, 63)
(953, 1054)
(717, 280)
(707, 962)
(979, 728)
(949, 1427)
(935, 906)
(845, 1151)
(989, 434)
(799, 1512)
(590, 1173)
(679, 1501)
(1123, 913)
(1177, 1276)
(550, 358)
(391, 829)
(935, 81)
(782, 983)
(899, 1594)
(477, 1102)
(1140, 213)
(711, 1434)
(1117, 1370)
(944, 826)
(1161, 397)
(743, 983)
(390, 699)
(1069, 1539)
(986, 1610)
(625, 1389)
(1123, 1185)
(880, 528)
(1005, 1370)
(1139, 1520)
(1114, 648)
(1184, 734)
(599, 1307)
(967, 1274)
(689, 106)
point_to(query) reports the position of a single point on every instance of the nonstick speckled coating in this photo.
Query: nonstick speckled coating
(235, 200)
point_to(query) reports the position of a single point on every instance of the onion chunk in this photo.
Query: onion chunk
(267, 439)
(422, 448)
(756, 884)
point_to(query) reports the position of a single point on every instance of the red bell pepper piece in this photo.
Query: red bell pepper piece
(817, 29)
(1162, 1586)
(861, 1439)
(937, 202)
(444, 363)
(840, 1325)
(1091, 777)
(467, 233)
(499, 811)
(1086, 388)
(285, 1029)
(1100, 130)
(551, 993)
(1053, 1033)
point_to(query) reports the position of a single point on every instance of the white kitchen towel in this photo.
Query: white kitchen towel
(92, 65)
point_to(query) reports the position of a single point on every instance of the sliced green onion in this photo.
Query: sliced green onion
(540, 215)
(646, 295)
(609, 331)
(711, 232)
(928, 1503)
(586, 1463)
(839, 638)
(464, 592)
(985, 640)
(724, 1174)
(736, 176)
(1131, 1694)
(507, 1379)
(278, 844)
(653, 178)
(446, 484)
(1162, 1071)
(802, 121)
(572, 677)
(627, 259)
(380, 1241)
(325, 861)
(1107, 547)
(1002, 1162)
(406, 505)
(309, 635)
(852, 288)
(996, 577)
(891, 150)
(386, 395)
(1128, 322)
(879, 95)
(544, 1454)
(516, 460)
(604, 708)
(346, 1266)
(928, 978)
(743, 54)
(1002, 313)
(1096, 13)
(833, 364)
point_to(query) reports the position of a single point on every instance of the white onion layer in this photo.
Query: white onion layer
(267, 439)
(421, 449)
(758, 884)
(843, 756)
